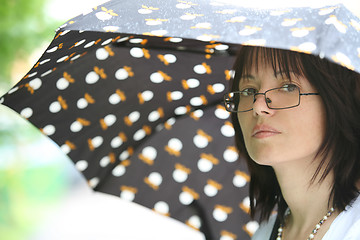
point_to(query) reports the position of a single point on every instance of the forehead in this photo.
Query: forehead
(253, 59)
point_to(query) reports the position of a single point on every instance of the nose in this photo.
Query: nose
(260, 106)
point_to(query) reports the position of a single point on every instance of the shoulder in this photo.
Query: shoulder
(265, 229)
(347, 225)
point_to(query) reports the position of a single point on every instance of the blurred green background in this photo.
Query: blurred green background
(34, 175)
(32, 180)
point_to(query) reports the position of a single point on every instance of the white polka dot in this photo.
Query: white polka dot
(154, 116)
(140, 134)
(121, 74)
(161, 207)
(195, 221)
(110, 120)
(183, 6)
(76, 126)
(46, 73)
(114, 99)
(116, 142)
(13, 90)
(155, 178)
(226, 237)
(218, 87)
(176, 95)
(35, 83)
(219, 215)
(32, 74)
(149, 152)
(171, 121)
(134, 116)
(104, 161)
(153, 22)
(198, 113)
(193, 83)
(239, 181)
(53, 49)
(102, 54)
(186, 198)
(136, 52)
(156, 77)
(62, 84)
(94, 182)
(103, 16)
(227, 131)
(26, 112)
(210, 191)
(127, 195)
(82, 103)
(44, 61)
(196, 101)
(175, 144)
(119, 171)
(204, 165)
(179, 176)
(122, 39)
(136, 40)
(76, 57)
(124, 155)
(247, 31)
(200, 141)
(80, 42)
(222, 47)
(222, 113)
(65, 149)
(89, 44)
(55, 107)
(81, 165)
(180, 110)
(97, 141)
(307, 46)
(92, 77)
(2, 100)
(176, 40)
(106, 42)
(49, 130)
(343, 58)
(144, 11)
(300, 33)
(64, 32)
(170, 58)
(252, 226)
(62, 59)
(230, 155)
(200, 69)
(159, 32)
(110, 29)
(187, 17)
(147, 95)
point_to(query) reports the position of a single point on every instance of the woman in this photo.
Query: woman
(297, 123)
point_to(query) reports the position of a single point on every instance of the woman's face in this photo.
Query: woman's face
(278, 136)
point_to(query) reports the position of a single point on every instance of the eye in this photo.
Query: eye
(290, 88)
(248, 92)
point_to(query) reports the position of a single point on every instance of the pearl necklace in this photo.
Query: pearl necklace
(313, 233)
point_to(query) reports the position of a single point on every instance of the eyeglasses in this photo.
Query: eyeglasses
(287, 96)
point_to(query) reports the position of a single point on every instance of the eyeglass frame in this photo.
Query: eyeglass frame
(266, 101)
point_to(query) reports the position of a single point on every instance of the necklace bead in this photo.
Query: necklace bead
(313, 233)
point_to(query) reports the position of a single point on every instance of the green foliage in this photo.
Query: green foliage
(24, 26)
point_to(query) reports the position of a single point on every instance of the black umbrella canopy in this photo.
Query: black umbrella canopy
(132, 93)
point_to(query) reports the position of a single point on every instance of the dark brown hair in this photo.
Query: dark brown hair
(339, 88)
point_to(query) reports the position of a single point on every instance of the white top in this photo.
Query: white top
(346, 225)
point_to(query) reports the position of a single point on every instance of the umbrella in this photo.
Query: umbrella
(132, 93)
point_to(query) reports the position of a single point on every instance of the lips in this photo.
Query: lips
(264, 131)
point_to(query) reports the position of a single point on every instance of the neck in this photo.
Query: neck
(308, 201)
